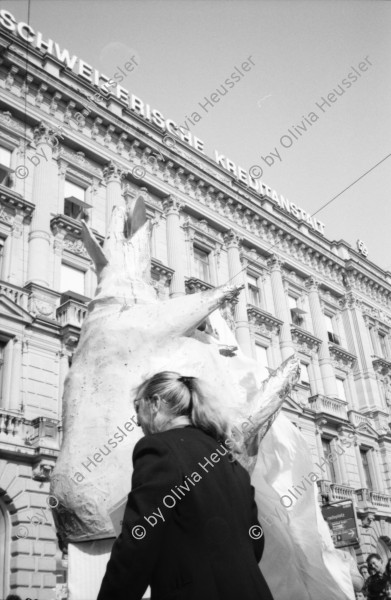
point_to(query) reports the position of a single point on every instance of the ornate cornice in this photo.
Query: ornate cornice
(61, 224)
(381, 366)
(15, 201)
(263, 322)
(341, 358)
(304, 341)
(193, 285)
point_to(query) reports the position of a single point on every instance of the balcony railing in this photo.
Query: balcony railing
(12, 426)
(368, 500)
(16, 429)
(365, 500)
(330, 406)
(71, 313)
(335, 491)
(357, 419)
(341, 492)
(381, 500)
(15, 294)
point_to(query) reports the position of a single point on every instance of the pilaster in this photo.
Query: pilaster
(176, 255)
(359, 342)
(235, 269)
(43, 192)
(281, 306)
(113, 174)
(325, 363)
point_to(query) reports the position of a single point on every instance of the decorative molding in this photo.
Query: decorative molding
(263, 322)
(232, 239)
(172, 205)
(15, 201)
(304, 341)
(341, 358)
(194, 285)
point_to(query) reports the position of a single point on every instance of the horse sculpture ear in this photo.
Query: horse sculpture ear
(124, 223)
(136, 216)
(93, 248)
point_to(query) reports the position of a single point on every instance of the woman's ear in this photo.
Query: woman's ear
(155, 402)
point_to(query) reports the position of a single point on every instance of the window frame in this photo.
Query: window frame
(330, 469)
(258, 344)
(199, 249)
(253, 290)
(6, 170)
(366, 467)
(73, 204)
(66, 263)
(332, 336)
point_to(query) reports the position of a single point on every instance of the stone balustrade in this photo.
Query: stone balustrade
(330, 406)
(15, 294)
(72, 313)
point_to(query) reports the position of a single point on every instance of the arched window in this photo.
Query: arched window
(5, 551)
(383, 551)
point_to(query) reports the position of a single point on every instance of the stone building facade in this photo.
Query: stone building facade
(323, 299)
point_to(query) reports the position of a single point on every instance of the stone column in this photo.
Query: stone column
(281, 307)
(176, 255)
(236, 277)
(267, 298)
(325, 363)
(14, 397)
(359, 343)
(44, 191)
(113, 175)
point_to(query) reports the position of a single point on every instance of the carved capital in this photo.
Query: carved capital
(44, 134)
(275, 263)
(350, 301)
(172, 205)
(112, 172)
(232, 239)
(312, 284)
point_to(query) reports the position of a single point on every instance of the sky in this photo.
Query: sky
(301, 50)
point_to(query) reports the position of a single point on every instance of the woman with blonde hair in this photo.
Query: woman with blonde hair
(190, 528)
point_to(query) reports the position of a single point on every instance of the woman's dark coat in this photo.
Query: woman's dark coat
(192, 509)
